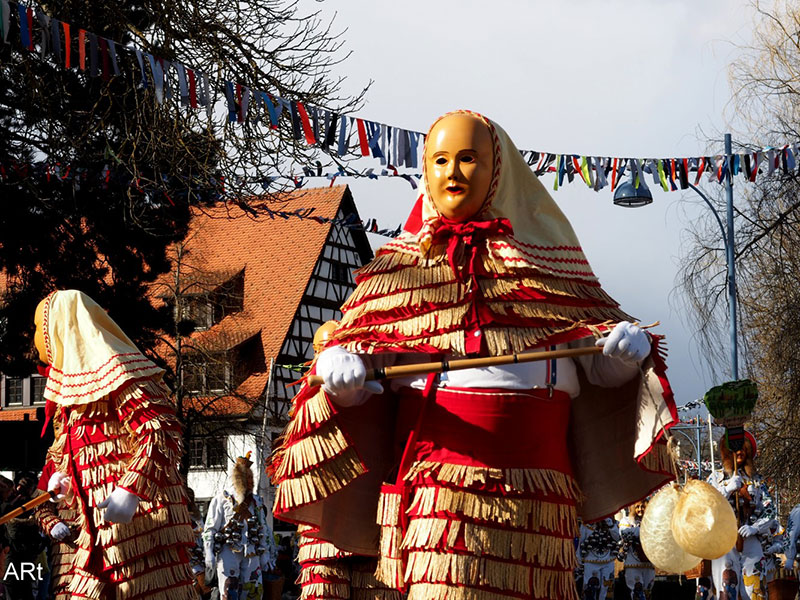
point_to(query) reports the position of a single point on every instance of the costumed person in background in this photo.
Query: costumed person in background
(24, 541)
(197, 558)
(328, 572)
(739, 573)
(237, 540)
(791, 537)
(485, 498)
(114, 459)
(639, 571)
(772, 545)
(597, 551)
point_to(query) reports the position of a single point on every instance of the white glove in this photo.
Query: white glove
(343, 374)
(59, 531)
(120, 506)
(627, 342)
(59, 482)
(734, 484)
(747, 531)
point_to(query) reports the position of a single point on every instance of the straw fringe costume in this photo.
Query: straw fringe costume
(115, 428)
(485, 497)
(329, 573)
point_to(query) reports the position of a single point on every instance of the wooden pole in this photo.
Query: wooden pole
(466, 363)
(29, 505)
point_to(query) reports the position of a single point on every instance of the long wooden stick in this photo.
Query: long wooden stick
(466, 363)
(29, 505)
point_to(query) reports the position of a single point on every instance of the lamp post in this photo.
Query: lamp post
(628, 195)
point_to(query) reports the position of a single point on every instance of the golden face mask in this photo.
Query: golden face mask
(459, 162)
(38, 336)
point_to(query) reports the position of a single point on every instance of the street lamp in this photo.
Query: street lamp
(628, 195)
(631, 196)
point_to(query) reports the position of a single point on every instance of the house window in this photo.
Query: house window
(206, 377)
(37, 389)
(207, 452)
(199, 310)
(340, 272)
(193, 377)
(14, 391)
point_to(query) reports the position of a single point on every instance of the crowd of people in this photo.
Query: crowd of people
(760, 566)
(235, 554)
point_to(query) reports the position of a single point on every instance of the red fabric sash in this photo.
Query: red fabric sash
(524, 429)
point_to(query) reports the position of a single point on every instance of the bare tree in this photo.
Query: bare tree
(133, 159)
(204, 366)
(766, 81)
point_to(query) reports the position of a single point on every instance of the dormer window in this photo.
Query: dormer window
(206, 375)
(199, 310)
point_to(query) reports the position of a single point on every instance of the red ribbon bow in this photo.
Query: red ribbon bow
(471, 234)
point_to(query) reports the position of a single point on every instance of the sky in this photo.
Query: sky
(611, 78)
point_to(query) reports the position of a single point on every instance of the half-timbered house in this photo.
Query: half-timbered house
(248, 290)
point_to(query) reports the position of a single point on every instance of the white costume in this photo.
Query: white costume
(639, 572)
(744, 571)
(597, 550)
(791, 537)
(238, 541)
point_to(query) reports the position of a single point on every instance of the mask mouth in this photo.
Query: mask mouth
(455, 189)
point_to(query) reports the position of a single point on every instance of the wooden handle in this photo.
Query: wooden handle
(466, 363)
(29, 505)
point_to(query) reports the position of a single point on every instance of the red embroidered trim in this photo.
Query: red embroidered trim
(577, 261)
(543, 266)
(548, 248)
(45, 324)
(97, 389)
(122, 364)
(98, 368)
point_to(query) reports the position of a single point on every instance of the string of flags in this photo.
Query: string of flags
(212, 190)
(691, 405)
(343, 135)
(350, 221)
(694, 467)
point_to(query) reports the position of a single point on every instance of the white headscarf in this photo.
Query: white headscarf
(89, 355)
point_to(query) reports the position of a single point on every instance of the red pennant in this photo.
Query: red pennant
(67, 46)
(307, 129)
(362, 137)
(192, 89)
(82, 48)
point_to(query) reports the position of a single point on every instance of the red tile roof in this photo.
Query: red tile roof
(278, 257)
(17, 414)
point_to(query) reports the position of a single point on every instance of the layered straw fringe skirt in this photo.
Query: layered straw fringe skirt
(487, 507)
(329, 573)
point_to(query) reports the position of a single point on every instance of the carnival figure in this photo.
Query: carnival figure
(482, 496)
(639, 572)
(771, 545)
(327, 571)
(597, 550)
(792, 537)
(237, 540)
(121, 511)
(741, 571)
